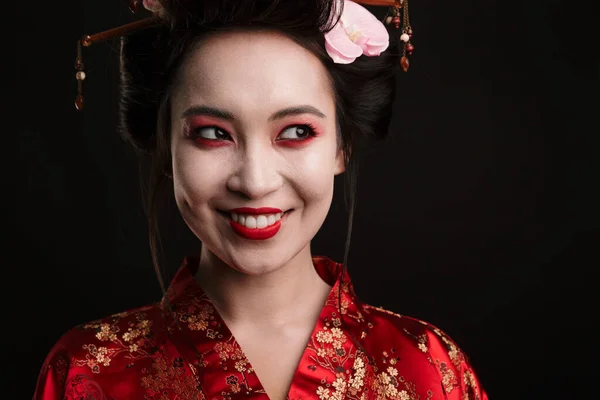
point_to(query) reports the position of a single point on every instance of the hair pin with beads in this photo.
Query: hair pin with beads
(398, 16)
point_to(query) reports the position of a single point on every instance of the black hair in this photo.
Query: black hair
(364, 90)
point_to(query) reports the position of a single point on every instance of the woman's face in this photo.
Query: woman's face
(253, 135)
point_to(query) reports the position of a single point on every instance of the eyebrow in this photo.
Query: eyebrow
(226, 115)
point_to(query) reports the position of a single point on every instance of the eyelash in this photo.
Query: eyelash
(195, 135)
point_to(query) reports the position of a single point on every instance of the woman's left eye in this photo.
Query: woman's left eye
(296, 132)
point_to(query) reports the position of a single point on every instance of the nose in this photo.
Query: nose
(256, 174)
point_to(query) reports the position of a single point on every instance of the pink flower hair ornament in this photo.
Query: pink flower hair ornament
(357, 32)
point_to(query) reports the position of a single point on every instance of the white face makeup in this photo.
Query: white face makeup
(253, 126)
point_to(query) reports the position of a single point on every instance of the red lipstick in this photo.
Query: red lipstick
(256, 233)
(254, 211)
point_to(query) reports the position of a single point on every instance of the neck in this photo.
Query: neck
(275, 299)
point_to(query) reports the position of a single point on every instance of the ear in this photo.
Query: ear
(340, 163)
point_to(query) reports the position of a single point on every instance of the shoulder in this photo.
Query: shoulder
(409, 329)
(419, 345)
(98, 348)
(126, 330)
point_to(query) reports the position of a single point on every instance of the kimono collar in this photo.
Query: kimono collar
(205, 342)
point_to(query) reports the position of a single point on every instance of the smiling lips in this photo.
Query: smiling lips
(256, 223)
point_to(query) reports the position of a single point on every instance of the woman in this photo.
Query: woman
(249, 109)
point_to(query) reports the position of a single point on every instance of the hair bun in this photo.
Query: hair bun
(313, 14)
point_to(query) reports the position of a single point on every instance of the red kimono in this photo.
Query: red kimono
(187, 352)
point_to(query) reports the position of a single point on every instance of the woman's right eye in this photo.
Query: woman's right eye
(209, 133)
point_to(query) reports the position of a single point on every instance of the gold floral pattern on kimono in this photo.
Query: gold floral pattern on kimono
(133, 342)
(180, 348)
(170, 376)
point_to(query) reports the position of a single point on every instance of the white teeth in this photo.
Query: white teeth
(250, 222)
(261, 222)
(256, 221)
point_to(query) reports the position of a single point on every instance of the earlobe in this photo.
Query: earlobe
(340, 163)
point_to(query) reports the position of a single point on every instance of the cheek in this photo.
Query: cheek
(196, 177)
(314, 173)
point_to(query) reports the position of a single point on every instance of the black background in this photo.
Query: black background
(479, 214)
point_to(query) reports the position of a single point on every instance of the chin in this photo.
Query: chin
(257, 262)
